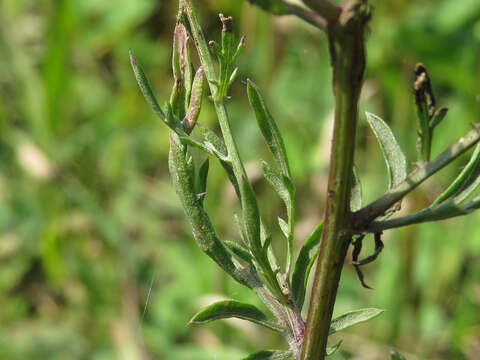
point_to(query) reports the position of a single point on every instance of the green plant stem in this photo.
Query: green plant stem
(348, 60)
(363, 217)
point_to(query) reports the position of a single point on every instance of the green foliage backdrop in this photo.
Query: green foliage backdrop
(96, 259)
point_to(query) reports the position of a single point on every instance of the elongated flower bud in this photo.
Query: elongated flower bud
(195, 101)
(182, 71)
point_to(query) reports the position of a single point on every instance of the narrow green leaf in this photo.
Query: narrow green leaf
(146, 89)
(275, 7)
(305, 260)
(333, 348)
(269, 355)
(352, 318)
(356, 194)
(268, 128)
(466, 181)
(233, 309)
(393, 154)
(202, 228)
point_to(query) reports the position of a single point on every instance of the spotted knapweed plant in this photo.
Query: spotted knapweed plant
(252, 262)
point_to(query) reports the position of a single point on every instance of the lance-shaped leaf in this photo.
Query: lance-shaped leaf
(269, 355)
(276, 7)
(195, 105)
(393, 154)
(352, 318)
(233, 309)
(306, 258)
(202, 228)
(268, 128)
(147, 90)
(465, 182)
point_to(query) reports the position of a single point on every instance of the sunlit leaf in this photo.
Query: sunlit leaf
(233, 309)
(393, 154)
(352, 318)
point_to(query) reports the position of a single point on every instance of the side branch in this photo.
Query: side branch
(309, 16)
(325, 8)
(363, 217)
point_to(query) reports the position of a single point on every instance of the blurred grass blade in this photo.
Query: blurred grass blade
(306, 258)
(275, 7)
(395, 355)
(465, 183)
(268, 128)
(203, 230)
(333, 348)
(233, 309)
(269, 355)
(393, 154)
(146, 89)
(356, 194)
(352, 318)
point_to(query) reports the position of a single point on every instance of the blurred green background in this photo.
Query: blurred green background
(96, 259)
